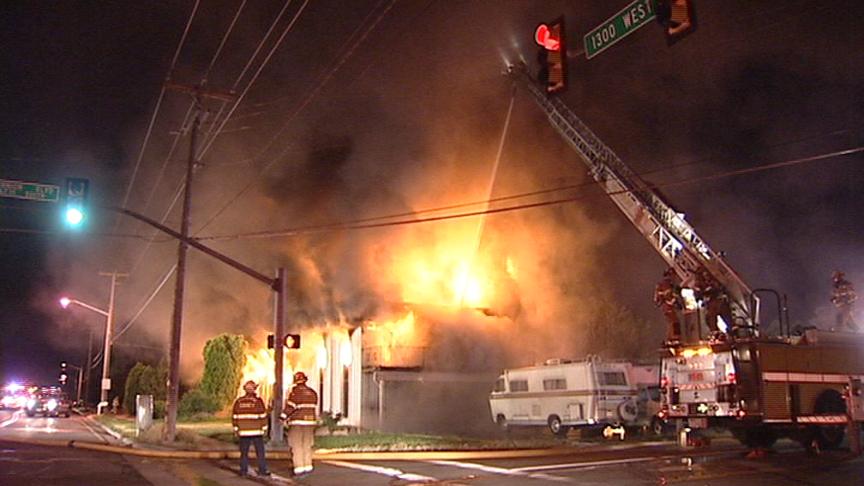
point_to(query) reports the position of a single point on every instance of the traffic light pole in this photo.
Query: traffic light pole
(278, 358)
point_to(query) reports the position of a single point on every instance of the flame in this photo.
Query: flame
(310, 358)
(449, 272)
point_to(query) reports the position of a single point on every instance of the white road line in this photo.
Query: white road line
(577, 465)
(501, 470)
(11, 420)
(386, 471)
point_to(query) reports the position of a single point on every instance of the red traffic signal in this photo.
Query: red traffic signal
(678, 18)
(290, 341)
(552, 56)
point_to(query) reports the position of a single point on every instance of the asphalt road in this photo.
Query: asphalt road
(16, 425)
(722, 463)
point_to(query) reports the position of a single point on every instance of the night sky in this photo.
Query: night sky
(384, 107)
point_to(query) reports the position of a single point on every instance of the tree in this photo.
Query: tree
(131, 390)
(224, 357)
(615, 332)
(144, 379)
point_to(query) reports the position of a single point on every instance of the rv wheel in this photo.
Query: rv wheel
(556, 426)
(658, 427)
(501, 420)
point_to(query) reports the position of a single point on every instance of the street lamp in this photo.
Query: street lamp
(65, 302)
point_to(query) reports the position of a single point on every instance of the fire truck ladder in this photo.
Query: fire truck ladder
(667, 230)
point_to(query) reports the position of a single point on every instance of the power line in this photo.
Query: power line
(357, 226)
(338, 64)
(249, 85)
(156, 110)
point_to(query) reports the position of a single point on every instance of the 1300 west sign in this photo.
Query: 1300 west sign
(619, 26)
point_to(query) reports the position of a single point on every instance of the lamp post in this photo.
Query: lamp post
(65, 302)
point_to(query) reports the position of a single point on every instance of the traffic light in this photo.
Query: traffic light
(552, 56)
(75, 209)
(292, 341)
(63, 375)
(677, 17)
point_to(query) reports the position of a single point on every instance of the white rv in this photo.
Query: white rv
(561, 394)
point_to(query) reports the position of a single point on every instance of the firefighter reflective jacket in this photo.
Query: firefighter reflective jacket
(301, 406)
(249, 416)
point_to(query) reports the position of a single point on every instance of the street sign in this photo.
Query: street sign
(619, 26)
(33, 191)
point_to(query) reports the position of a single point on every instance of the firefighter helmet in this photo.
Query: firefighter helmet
(250, 386)
(300, 377)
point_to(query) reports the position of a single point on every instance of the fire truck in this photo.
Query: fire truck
(759, 386)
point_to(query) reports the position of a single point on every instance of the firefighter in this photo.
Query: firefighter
(715, 301)
(249, 418)
(300, 416)
(843, 297)
(667, 296)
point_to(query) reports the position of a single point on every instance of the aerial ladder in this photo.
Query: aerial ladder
(666, 229)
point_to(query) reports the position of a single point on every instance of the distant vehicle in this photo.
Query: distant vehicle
(49, 402)
(561, 394)
(15, 396)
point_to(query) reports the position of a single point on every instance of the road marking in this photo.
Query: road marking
(500, 470)
(386, 471)
(577, 465)
(11, 420)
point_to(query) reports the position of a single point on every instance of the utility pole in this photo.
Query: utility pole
(199, 94)
(109, 328)
(88, 365)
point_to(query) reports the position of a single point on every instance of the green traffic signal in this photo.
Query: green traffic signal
(74, 216)
(77, 191)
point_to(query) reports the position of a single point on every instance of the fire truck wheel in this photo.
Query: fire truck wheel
(556, 427)
(830, 402)
(501, 420)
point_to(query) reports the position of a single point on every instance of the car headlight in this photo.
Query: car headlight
(31, 403)
(51, 405)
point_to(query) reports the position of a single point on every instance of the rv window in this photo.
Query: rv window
(499, 385)
(555, 384)
(518, 385)
(613, 378)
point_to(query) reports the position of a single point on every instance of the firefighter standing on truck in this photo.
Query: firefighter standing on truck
(715, 300)
(667, 296)
(300, 414)
(249, 418)
(843, 297)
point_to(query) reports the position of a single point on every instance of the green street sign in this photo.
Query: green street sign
(619, 26)
(33, 191)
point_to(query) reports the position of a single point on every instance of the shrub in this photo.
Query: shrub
(196, 402)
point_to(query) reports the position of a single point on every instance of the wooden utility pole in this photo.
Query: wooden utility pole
(199, 94)
(105, 385)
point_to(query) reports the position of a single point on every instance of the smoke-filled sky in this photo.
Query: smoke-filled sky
(372, 108)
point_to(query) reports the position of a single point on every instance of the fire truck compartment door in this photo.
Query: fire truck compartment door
(856, 399)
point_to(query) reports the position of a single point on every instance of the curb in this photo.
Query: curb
(277, 455)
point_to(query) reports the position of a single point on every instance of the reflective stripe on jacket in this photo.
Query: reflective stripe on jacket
(301, 407)
(249, 416)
